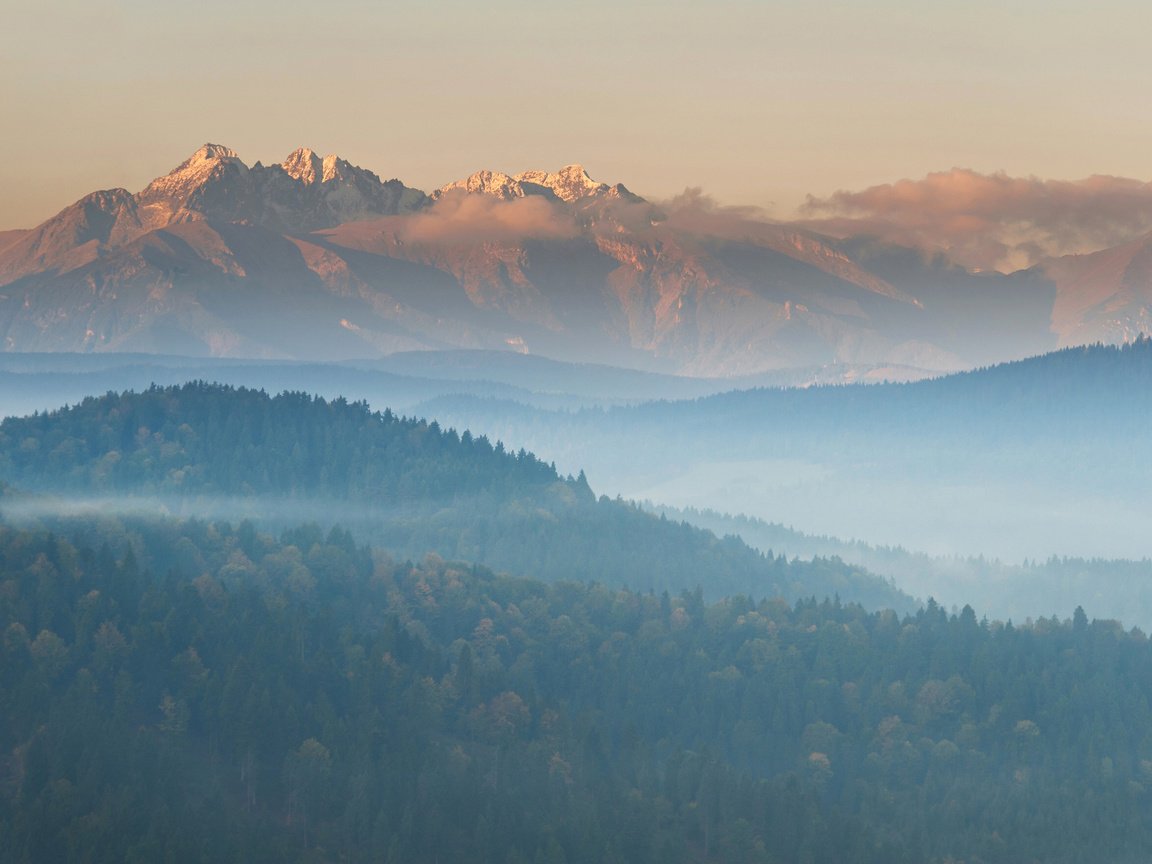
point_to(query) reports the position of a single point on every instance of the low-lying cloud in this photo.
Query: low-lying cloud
(991, 221)
(464, 218)
(697, 212)
(691, 213)
(458, 217)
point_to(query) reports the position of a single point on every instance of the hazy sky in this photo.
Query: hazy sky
(757, 102)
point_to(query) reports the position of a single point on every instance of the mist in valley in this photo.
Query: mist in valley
(1010, 465)
(1015, 464)
(428, 600)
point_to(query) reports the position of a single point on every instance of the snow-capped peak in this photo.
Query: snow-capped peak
(195, 170)
(494, 183)
(570, 183)
(215, 151)
(310, 168)
(206, 159)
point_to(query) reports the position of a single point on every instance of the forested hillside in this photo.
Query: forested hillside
(197, 692)
(1106, 588)
(409, 485)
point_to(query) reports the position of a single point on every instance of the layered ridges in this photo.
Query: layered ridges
(225, 258)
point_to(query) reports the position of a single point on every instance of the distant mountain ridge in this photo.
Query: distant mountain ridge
(304, 193)
(316, 258)
(570, 183)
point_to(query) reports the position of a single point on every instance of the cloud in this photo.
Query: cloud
(991, 220)
(691, 213)
(697, 212)
(458, 217)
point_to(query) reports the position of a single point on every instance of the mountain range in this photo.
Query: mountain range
(318, 259)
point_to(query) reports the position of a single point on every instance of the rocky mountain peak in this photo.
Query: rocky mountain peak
(167, 198)
(213, 151)
(106, 200)
(498, 185)
(304, 165)
(202, 163)
(335, 168)
(570, 183)
(311, 169)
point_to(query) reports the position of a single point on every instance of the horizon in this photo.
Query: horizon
(801, 102)
(980, 221)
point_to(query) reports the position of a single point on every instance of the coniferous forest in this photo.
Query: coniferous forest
(405, 484)
(238, 627)
(190, 691)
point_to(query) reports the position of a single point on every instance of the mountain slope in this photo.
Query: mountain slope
(303, 194)
(413, 487)
(315, 258)
(1105, 296)
(198, 691)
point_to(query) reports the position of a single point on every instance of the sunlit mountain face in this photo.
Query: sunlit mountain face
(315, 258)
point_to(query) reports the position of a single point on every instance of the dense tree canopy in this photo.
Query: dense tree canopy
(406, 484)
(195, 690)
(198, 692)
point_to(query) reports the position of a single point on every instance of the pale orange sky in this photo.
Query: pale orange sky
(757, 102)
